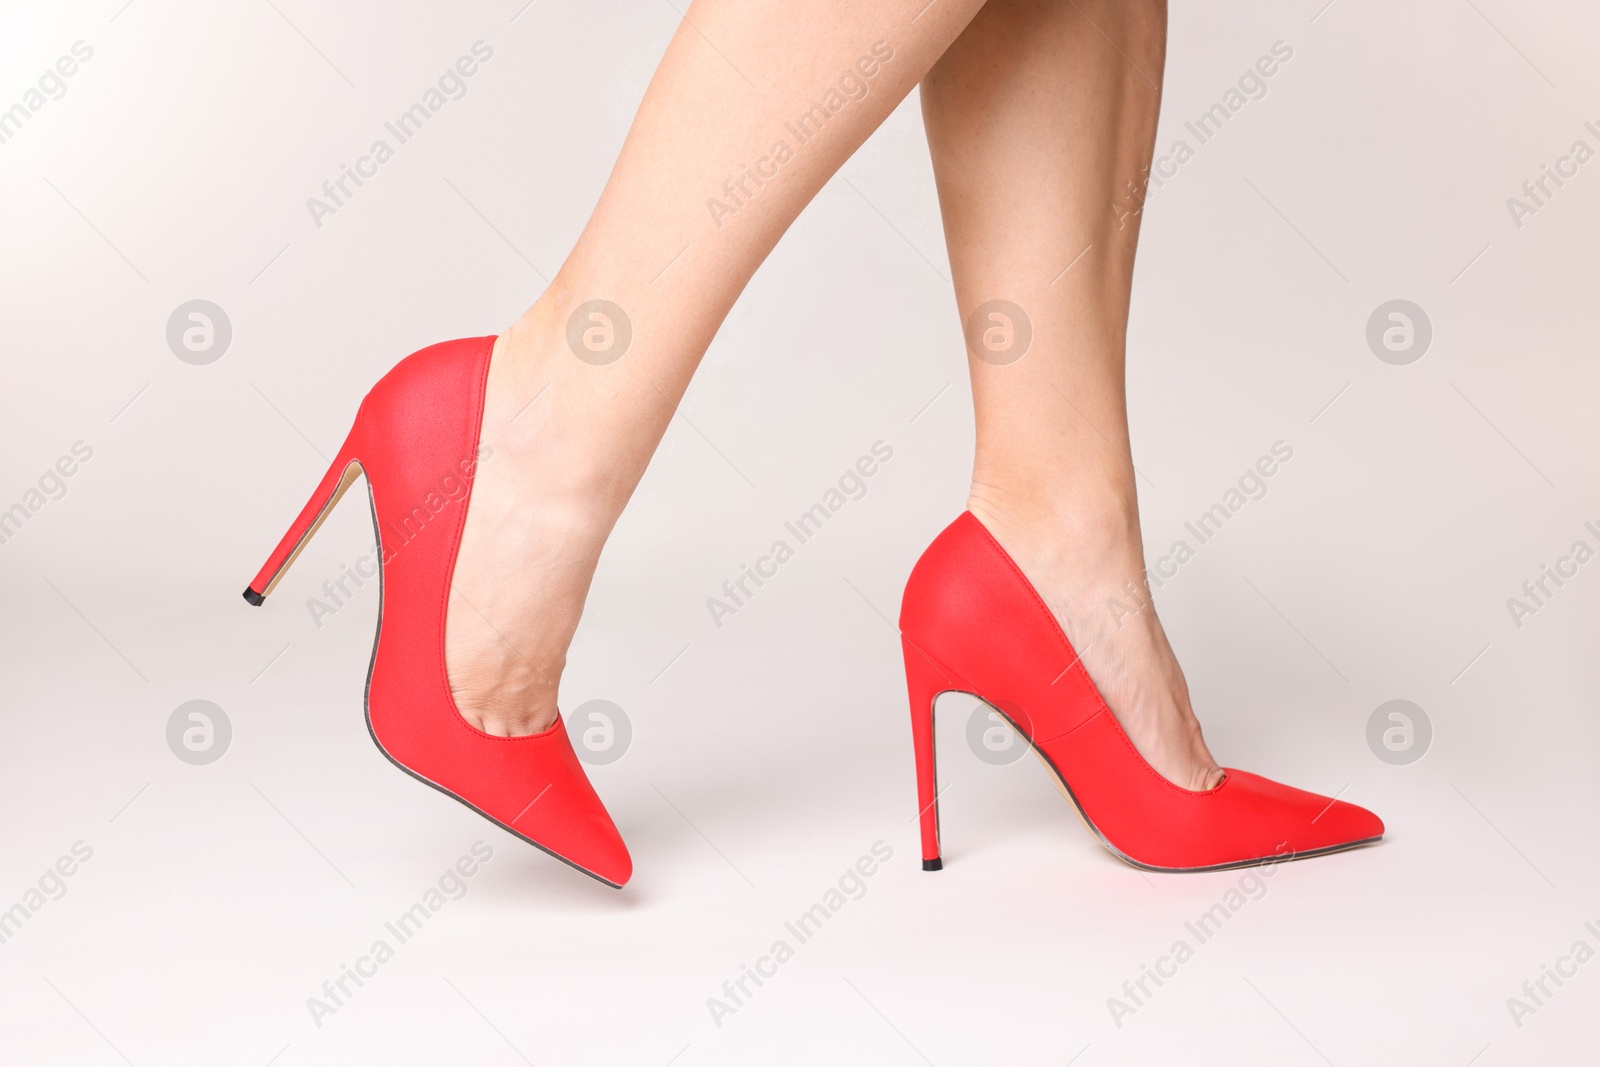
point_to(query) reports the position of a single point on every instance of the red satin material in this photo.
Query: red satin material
(970, 621)
(416, 439)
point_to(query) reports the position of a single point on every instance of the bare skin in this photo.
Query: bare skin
(571, 438)
(1034, 122)
(1041, 130)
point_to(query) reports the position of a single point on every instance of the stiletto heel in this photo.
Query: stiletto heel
(415, 439)
(924, 681)
(970, 621)
(341, 474)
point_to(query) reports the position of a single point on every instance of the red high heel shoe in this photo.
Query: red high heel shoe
(971, 622)
(416, 440)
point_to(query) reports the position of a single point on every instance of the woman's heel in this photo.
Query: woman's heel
(925, 681)
(341, 474)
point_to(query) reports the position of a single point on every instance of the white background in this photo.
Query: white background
(770, 753)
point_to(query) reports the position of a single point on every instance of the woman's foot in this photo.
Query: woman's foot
(541, 508)
(1080, 565)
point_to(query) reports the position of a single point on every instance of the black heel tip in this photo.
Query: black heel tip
(935, 864)
(254, 598)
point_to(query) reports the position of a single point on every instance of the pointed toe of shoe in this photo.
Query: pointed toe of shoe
(1286, 822)
(566, 818)
(1349, 824)
(577, 828)
(1334, 825)
(614, 866)
(532, 785)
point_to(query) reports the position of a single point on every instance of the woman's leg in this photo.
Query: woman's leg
(1041, 118)
(753, 108)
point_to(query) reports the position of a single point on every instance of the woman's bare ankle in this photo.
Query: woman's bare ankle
(1083, 558)
(544, 499)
